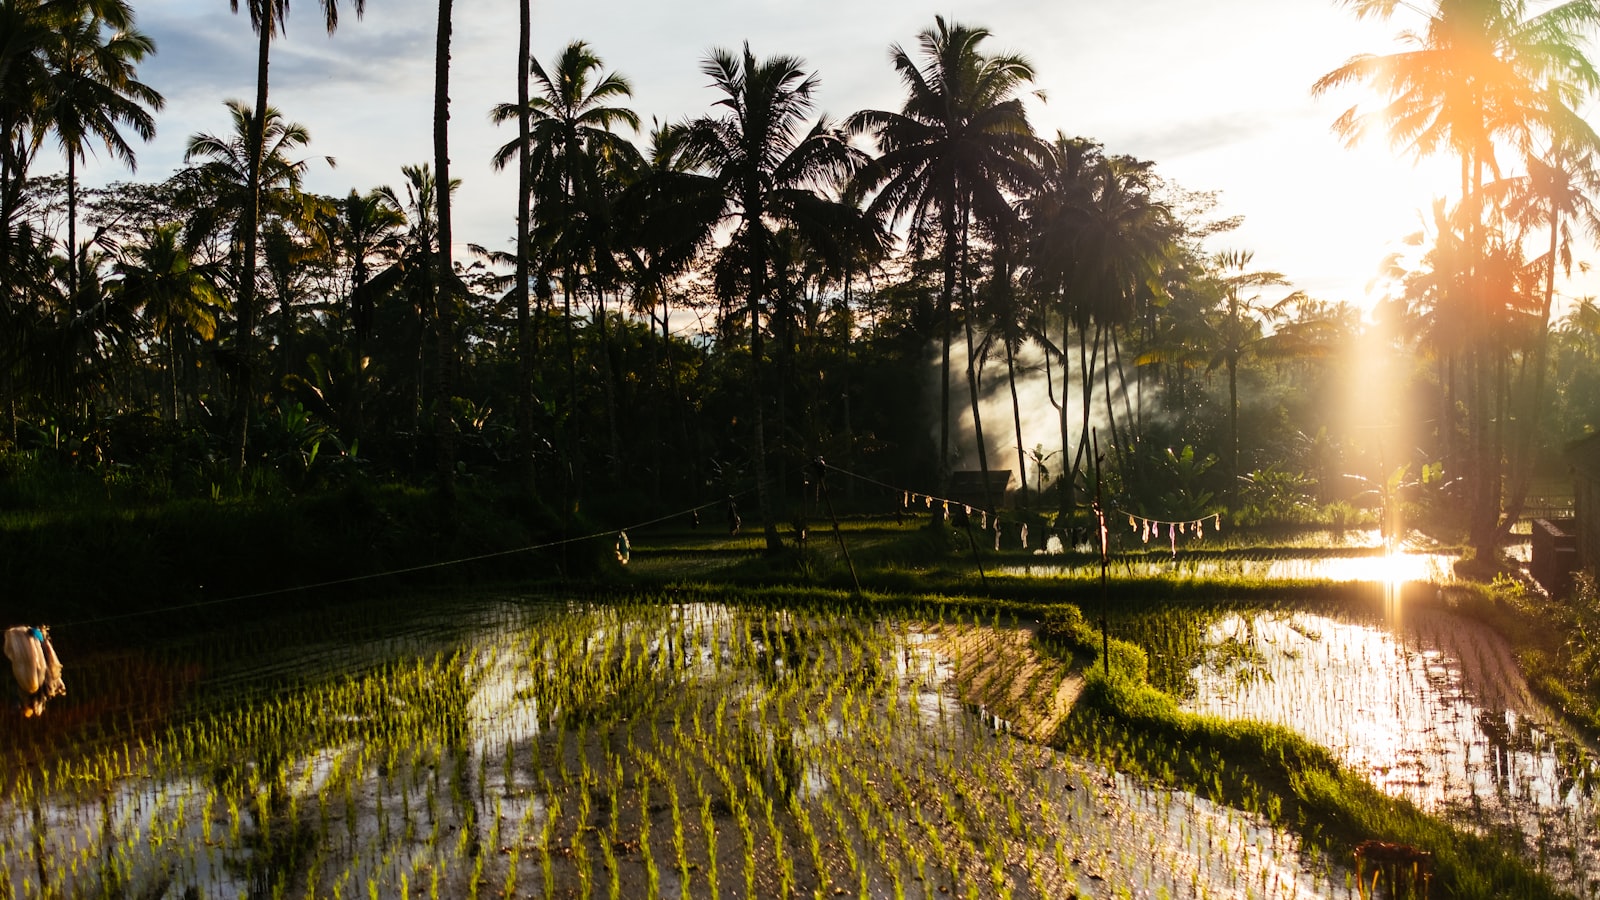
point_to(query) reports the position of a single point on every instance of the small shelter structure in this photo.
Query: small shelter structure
(1583, 458)
(966, 486)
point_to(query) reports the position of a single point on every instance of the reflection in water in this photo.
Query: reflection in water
(1433, 710)
(629, 751)
(1377, 567)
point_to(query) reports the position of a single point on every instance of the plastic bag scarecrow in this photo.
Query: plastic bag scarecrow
(34, 663)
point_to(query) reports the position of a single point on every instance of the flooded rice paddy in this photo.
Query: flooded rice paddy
(508, 746)
(1431, 707)
(1348, 565)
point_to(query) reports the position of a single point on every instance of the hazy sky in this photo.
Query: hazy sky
(1216, 93)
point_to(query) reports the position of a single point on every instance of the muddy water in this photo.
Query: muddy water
(1432, 708)
(780, 751)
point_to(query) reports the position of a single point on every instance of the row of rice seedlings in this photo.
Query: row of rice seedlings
(668, 751)
(1464, 734)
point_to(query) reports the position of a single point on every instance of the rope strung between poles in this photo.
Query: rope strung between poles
(909, 496)
(353, 579)
(1146, 526)
(1149, 527)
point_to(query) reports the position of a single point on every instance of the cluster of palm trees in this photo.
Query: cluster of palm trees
(825, 254)
(1483, 81)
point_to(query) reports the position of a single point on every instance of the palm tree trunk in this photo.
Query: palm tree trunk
(972, 362)
(946, 294)
(763, 487)
(574, 422)
(172, 371)
(686, 449)
(608, 384)
(1233, 431)
(1533, 400)
(72, 222)
(1111, 409)
(1133, 421)
(252, 220)
(524, 201)
(1064, 483)
(444, 426)
(1016, 423)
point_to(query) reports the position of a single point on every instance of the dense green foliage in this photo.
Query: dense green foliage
(225, 333)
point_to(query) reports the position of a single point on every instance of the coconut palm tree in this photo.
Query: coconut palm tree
(770, 170)
(219, 188)
(267, 19)
(1233, 329)
(569, 143)
(444, 298)
(90, 92)
(158, 276)
(1478, 74)
(959, 143)
(1057, 211)
(1558, 191)
(414, 279)
(364, 229)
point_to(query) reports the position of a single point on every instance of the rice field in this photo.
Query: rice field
(1428, 706)
(657, 747)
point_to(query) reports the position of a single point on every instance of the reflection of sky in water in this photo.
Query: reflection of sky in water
(1437, 714)
(1399, 567)
(1118, 833)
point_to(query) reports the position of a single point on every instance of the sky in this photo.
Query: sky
(1217, 94)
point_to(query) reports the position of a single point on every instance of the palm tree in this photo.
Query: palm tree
(769, 170)
(666, 213)
(569, 144)
(444, 318)
(572, 153)
(220, 186)
(1126, 240)
(364, 229)
(1057, 211)
(1234, 329)
(960, 142)
(27, 30)
(1558, 190)
(415, 275)
(525, 347)
(1478, 73)
(90, 91)
(267, 19)
(158, 275)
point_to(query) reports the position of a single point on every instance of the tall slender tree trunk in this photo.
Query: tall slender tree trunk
(764, 499)
(972, 362)
(444, 426)
(1111, 409)
(524, 201)
(688, 451)
(72, 222)
(947, 223)
(1016, 423)
(246, 393)
(1133, 420)
(1064, 482)
(574, 422)
(1233, 431)
(1533, 400)
(608, 385)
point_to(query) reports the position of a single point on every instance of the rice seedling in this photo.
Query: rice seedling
(650, 745)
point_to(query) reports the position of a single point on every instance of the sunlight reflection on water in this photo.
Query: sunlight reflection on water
(1435, 712)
